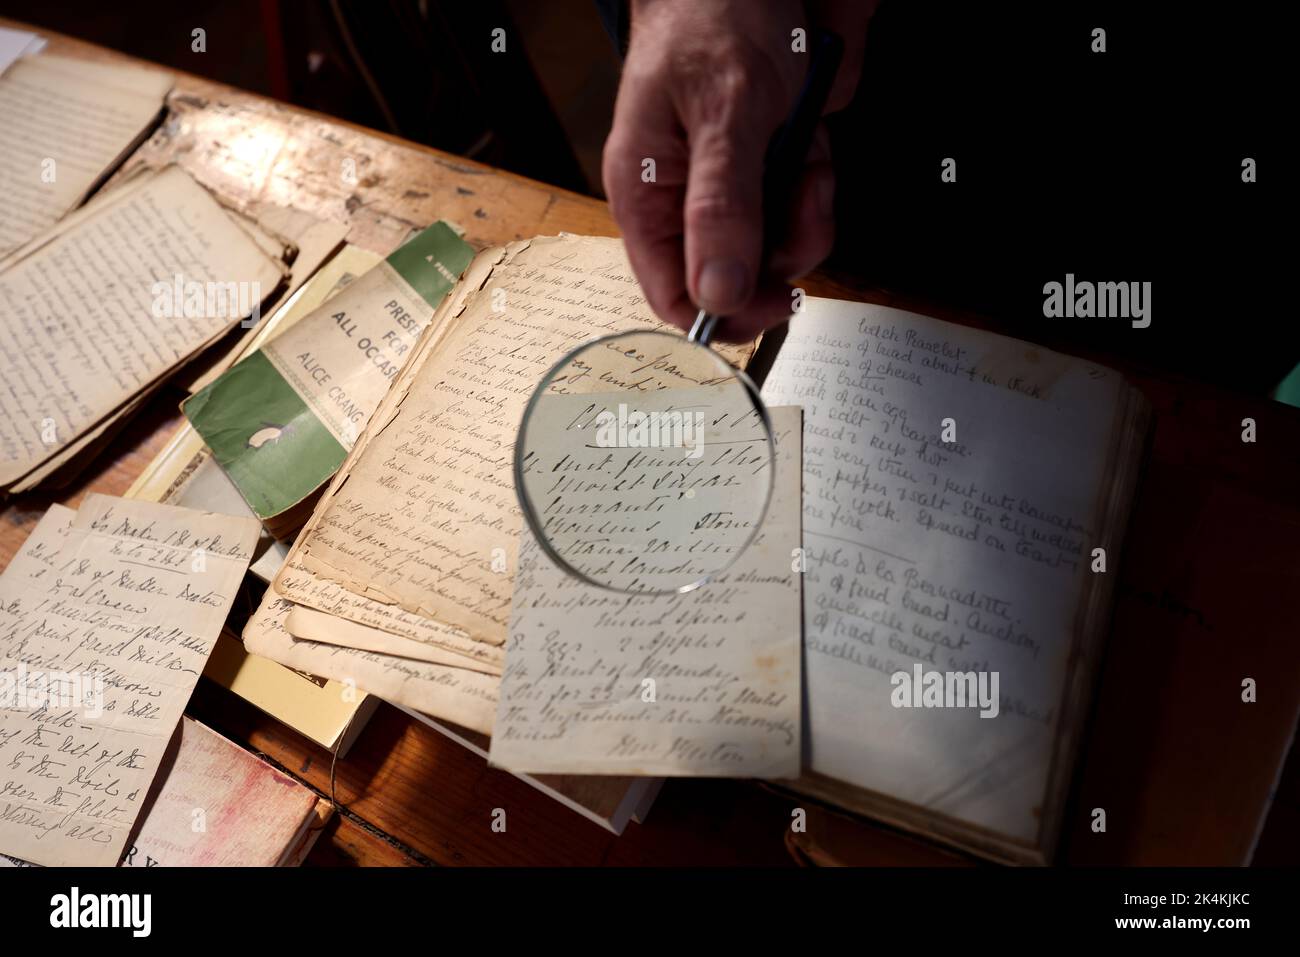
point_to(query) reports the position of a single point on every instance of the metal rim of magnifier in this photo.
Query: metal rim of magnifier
(534, 523)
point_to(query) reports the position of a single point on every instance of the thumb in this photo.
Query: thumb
(723, 217)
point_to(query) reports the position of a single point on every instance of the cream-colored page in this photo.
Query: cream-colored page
(66, 124)
(82, 327)
(953, 557)
(467, 698)
(312, 625)
(97, 203)
(423, 518)
(106, 622)
(702, 683)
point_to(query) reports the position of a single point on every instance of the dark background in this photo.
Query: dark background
(1122, 166)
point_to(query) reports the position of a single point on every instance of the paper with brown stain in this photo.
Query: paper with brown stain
(312, 625)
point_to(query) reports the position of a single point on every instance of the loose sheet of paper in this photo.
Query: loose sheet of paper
(647, 491)
(702, 683)
(313, 625)
(106, 621)
(66, 124)
(963, 556)
(82, 328)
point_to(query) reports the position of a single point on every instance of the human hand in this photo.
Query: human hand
(705, 85)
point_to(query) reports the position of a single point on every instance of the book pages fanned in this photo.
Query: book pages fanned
(107, 618)
(466, 697)
(701, 683)
(104, 310)
(67, 124)
(313, 625)
(446, 500)
(953, 485)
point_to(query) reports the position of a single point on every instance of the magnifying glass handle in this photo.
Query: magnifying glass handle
(786, 154)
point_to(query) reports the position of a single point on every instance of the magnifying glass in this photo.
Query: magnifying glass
(645, 461)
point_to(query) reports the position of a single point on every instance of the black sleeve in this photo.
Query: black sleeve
(614, 15)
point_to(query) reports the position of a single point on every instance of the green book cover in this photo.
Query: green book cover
(282, 420)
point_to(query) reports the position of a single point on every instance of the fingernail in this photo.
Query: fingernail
(826, 197)
(722, 283)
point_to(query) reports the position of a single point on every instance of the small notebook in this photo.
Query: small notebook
(216, 805)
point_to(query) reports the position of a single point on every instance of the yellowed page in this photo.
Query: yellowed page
(703, 683)
(312, 625)
(106, 621)
(85, 324)
(66, 124)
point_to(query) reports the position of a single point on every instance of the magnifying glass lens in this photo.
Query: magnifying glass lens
(644, 463)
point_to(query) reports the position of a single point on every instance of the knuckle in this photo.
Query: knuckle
(714, 205)
(717, 84)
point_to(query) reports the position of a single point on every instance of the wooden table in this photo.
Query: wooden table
(410, 796)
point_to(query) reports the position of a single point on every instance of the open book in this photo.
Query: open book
(957, 487)
(965, 499)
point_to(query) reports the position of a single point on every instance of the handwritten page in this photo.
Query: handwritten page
(647, 491)
(80, 324)
(67, 123)
(955, 556)
(423, 517)
(701, 683)
(315, 625)
(356, 615)
(106, 621)
(202, 771)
